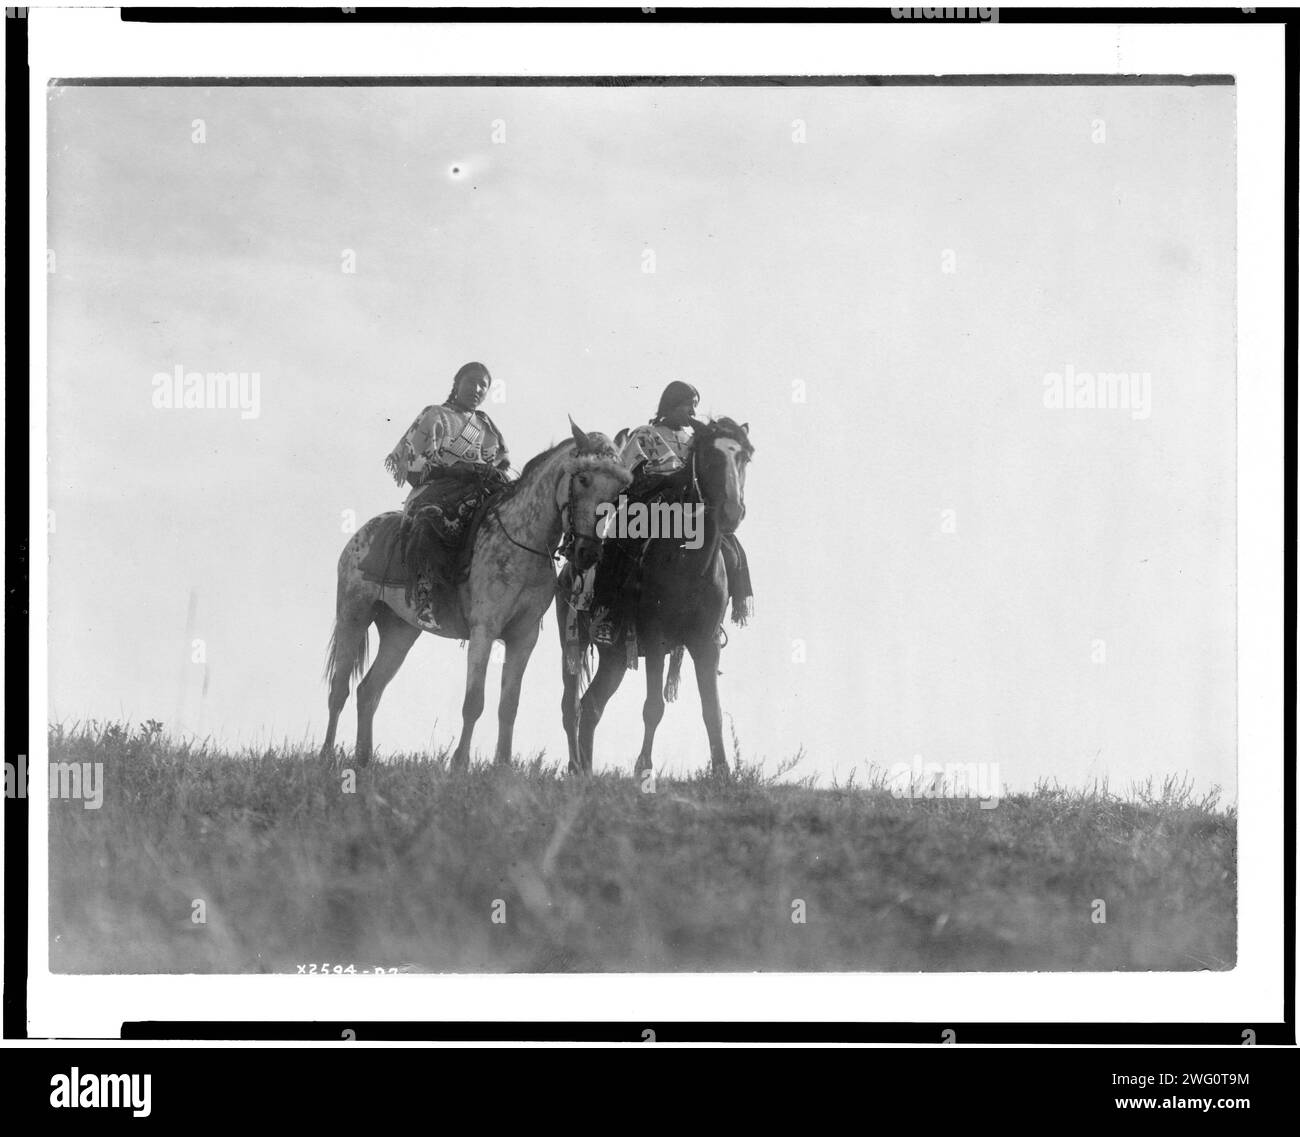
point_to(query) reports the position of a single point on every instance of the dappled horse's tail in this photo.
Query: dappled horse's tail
(349, 651)
(673, 682)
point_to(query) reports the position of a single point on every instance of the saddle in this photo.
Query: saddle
(434, 534)
(386, 566)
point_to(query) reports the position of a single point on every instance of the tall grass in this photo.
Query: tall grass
(422, 868)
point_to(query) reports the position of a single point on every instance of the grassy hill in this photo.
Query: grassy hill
(422, 869)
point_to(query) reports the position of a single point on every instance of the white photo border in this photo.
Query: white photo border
(81, 43)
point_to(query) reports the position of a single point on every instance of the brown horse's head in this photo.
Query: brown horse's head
(720, 454)
(594, 476)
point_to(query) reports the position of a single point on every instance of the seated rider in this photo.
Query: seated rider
(452, 456)
(655, 452)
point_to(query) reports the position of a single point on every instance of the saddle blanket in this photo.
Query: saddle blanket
(383, 564)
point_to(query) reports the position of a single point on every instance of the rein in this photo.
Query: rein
(496, 516)
(715, 544)
(568, 539)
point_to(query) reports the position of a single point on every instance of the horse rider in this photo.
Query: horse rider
(452, 456)
(655, 452)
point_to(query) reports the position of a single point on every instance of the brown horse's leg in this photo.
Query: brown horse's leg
(603, 685)
(518, 651)
(395, 639)
(704, 654)
(480, 650)
(653, 711)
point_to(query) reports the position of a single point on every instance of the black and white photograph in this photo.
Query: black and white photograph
(884, 437)
(729, 522)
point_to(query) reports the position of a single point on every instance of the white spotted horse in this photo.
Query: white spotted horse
(510, 584)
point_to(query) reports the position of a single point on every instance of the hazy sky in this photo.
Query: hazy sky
(886, 627)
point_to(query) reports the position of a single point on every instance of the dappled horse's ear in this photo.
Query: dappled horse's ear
(745, 427)
(580, 436)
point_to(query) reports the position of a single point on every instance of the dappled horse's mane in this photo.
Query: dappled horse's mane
(599, 453)
(538, 460)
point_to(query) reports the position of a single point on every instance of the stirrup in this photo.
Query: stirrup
(426, 620)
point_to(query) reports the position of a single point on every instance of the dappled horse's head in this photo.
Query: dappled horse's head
(594, 475)
(720, 454)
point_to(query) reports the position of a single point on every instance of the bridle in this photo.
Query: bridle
(695, 477)
(570, 539)
(697, 495)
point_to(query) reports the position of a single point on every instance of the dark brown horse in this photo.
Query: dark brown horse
(511, 582)
(680, 604)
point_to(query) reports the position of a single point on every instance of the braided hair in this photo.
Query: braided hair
(469, 371)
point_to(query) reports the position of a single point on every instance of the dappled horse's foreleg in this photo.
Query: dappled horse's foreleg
(395, 639)
(569, 699)
(609, 674)
(704, 654)
(476, 663)
(569, 715)
(518, 651)
(653, 711)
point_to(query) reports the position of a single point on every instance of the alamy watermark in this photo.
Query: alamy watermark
(69, 781)
(75, 1090)
(980, 15)
(1102, 391)
(639, 520)
(968, 780)
(210, 390)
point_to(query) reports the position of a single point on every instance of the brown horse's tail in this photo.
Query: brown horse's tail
(586, 668)
(349, 649)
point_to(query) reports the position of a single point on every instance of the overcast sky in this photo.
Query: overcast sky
(936, 554)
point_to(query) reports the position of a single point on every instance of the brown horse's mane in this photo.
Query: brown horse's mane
(706, 433)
